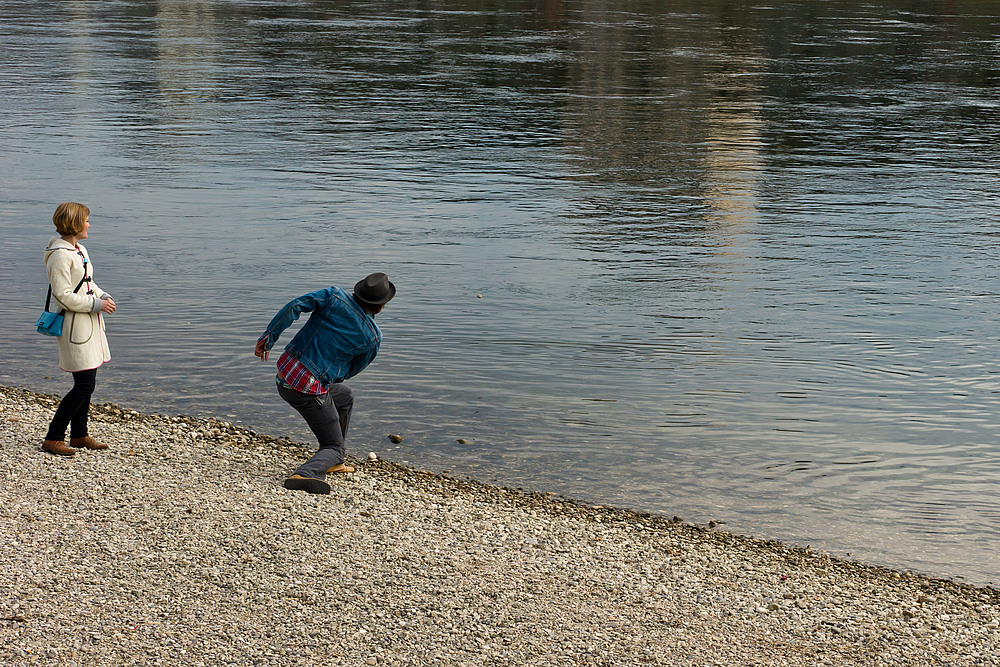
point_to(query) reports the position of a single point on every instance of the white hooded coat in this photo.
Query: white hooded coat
(82, 344)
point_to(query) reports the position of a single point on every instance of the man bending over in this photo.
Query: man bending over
(338, 341)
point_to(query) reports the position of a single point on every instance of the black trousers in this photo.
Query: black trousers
(328, 415)
(74, 409)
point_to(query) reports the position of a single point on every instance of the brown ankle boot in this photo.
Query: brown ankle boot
(86, 441)
(57, 447)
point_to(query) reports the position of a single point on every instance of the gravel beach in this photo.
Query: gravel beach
(179, 546)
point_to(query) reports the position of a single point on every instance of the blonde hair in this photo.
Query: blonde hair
(70, 217)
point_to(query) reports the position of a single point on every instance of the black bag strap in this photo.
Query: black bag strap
(48, 297)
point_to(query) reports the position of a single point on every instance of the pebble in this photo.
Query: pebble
(179, 546)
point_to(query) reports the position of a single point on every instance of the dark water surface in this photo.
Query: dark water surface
(731, 261)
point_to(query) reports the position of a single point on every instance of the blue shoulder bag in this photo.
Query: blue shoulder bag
(51, 323)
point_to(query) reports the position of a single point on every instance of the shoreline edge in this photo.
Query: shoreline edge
(178, 546)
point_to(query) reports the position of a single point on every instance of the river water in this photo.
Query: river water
(732, 261)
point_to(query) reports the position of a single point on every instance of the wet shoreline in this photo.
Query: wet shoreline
(179, 546)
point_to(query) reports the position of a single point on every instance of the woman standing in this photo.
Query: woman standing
(83, 346)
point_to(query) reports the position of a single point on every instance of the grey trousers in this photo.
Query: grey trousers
(328, 415)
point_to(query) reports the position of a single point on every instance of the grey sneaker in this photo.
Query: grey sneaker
(307, 484)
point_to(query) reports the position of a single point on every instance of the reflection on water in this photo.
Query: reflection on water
(731, 263)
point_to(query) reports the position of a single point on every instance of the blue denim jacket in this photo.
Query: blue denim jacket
(337, 342)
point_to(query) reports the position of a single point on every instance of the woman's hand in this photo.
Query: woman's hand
(259, 350)
(108, 305)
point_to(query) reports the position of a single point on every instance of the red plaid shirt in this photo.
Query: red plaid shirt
(294, 375)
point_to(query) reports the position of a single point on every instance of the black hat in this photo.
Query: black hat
(375, 289)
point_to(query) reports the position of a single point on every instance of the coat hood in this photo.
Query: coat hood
(55, 243)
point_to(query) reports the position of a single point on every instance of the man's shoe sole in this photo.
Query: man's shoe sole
(307, 484)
